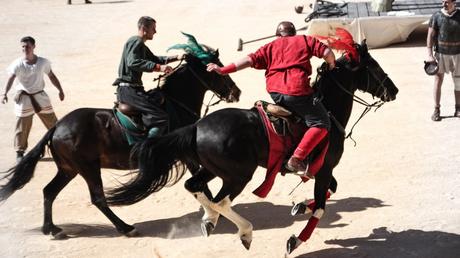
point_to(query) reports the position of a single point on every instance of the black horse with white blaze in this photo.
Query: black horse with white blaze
(231, 143)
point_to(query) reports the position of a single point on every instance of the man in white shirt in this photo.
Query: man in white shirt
(30, 97)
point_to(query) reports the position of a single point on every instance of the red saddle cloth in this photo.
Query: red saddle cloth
(279, 147)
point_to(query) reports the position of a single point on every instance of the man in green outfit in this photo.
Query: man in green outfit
(137, 59)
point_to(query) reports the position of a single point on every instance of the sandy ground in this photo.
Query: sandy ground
(398, 193)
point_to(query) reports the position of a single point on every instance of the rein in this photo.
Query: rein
(206, 85)
(209, 88)
(368, 107)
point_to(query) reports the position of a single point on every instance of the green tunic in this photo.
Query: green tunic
(136, 59)
(447, 39)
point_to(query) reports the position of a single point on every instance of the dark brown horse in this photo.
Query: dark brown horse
(230, 144)
(88, 139)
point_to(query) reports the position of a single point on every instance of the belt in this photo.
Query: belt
(127, 84)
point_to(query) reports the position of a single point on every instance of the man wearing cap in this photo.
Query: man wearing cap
(286, 61)
(444, 38)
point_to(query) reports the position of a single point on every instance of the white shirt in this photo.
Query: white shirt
(30, 76)
(30, 79)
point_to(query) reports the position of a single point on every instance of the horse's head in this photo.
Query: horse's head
(371, 77)
(198, 56)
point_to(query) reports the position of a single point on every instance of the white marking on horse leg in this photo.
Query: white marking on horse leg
(244, 226)
(318, 213)
(210, 214)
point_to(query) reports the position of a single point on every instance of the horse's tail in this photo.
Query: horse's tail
(158, 165)
(19, 175)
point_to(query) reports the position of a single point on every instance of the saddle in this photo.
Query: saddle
(283, 121)
(130, 120)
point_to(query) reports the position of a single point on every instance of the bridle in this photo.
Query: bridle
(368, 106)
(202, 82)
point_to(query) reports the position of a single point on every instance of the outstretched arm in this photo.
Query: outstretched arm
(231, 68)
(57, 84)
(9, 83)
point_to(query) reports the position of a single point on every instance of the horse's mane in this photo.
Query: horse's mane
(201, 51)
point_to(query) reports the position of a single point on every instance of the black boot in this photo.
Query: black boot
(457, 111)
(88, 2)
(19, 156)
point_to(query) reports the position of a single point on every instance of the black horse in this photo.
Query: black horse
(88, 139)
(231, 143)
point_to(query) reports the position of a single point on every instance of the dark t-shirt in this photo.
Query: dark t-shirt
(447, 39)
(136, 59)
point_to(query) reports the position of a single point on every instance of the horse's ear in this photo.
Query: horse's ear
(364, 46)
(217, 53)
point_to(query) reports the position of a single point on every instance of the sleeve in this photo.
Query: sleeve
(136, 58)
(433, 22)
(260, 58)
(46, 66)
(154, 58)
(13, 68)
(316, 47)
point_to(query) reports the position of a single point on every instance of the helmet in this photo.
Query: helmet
(285, 29)
(431, 68)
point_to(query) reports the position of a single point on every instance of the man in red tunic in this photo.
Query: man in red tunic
(286, 61)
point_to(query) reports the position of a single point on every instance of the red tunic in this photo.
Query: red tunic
(287, 63)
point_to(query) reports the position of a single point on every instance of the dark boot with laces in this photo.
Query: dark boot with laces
(436, 116)
(19, 156)
(457, 111)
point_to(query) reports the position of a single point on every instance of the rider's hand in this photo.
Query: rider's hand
(4, 99)
(213, 68)
(181, 56)
(331, 65)
(166, 69)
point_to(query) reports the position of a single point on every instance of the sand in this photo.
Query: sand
(398, 193)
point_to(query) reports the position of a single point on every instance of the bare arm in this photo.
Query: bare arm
(9, 83)
(54, 80)
(429, 43)
(241, 64)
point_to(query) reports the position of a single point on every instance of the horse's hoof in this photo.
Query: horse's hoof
(246, 243)
(132, 233)
(298, 209)
(60, 235)
(292, 243)
(206, 228)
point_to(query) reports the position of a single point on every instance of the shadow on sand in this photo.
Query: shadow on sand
(105, 2)
(188, 225)
(382, 243)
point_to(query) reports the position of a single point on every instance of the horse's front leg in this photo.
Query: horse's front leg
(322, 183)
(308, 205)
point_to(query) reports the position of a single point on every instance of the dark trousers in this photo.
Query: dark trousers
(148, 103)
(314, 113)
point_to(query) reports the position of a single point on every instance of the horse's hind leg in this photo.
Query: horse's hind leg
(94, 181)
(223, 204)
(198, 184)
(50, 192)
